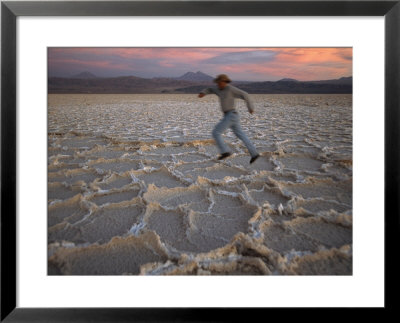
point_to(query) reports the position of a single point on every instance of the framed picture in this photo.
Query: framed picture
(42, 66)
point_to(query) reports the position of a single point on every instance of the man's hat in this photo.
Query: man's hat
(222, 78)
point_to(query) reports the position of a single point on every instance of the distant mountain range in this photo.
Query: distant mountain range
(196, 77)
(288, 80)
(84, 75)
(190, 83)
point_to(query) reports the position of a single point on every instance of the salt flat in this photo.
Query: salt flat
(135, 188)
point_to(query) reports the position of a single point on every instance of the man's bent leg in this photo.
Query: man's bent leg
(218, 131)
(237, 130)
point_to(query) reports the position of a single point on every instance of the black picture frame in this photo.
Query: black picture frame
(10, 10)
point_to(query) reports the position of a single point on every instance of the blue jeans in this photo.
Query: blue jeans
(231, 120)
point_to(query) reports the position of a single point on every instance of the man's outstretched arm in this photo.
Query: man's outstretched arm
(245, 96)
(206, 91)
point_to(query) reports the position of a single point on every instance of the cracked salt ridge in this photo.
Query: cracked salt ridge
(168, 166)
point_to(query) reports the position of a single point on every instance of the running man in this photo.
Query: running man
(227, 94)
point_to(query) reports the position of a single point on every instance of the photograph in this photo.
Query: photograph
(199, 161)
(189, 161)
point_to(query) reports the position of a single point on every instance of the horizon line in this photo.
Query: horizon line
(175, 77)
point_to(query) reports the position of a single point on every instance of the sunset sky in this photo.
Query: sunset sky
(245, 64)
